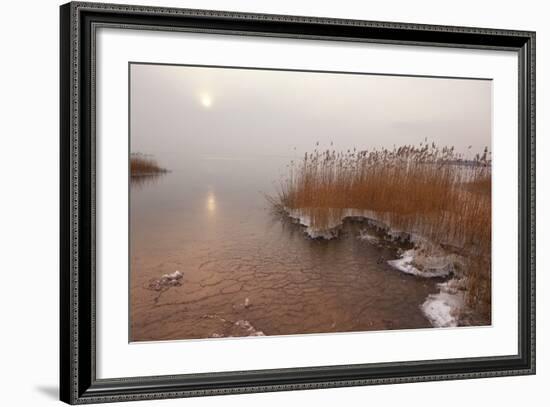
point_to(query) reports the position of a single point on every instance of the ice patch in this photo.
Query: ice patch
(414, 262)
(335, 221)
(176, 275)
(166, 281)
(234, 329)
(365, 235)
(404, 264)
(248, 328)
(328, 233)
(444, 308)
(336, 218)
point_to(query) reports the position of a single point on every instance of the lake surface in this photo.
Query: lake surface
(245, 270)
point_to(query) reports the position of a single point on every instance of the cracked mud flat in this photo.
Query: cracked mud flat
(246, 273)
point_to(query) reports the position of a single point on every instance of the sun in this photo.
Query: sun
(206, 100)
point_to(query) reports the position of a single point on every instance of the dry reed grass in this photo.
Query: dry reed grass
(431, 191)
(143, 165)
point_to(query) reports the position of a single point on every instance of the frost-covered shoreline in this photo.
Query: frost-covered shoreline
(444, 308)
(425, 259)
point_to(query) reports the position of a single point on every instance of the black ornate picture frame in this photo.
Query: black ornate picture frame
(78, 381)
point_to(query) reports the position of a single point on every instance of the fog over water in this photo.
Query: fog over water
(196, 112)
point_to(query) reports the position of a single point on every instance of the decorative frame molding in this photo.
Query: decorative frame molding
(78, 382)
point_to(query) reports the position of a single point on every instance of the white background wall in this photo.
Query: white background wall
(29, 163)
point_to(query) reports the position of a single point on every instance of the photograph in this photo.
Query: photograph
(268, 202)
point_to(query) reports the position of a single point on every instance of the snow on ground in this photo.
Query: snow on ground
(328, 233)
(444, 308)
(337, 218)
(332, 230)
(414, 262)
(248, 328)
(166, 281)
(240, 328)
(365, 235)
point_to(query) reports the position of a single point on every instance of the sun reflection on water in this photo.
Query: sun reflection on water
(211, 202)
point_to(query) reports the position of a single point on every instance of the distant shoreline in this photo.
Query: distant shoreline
(142, 165)
(148, 174)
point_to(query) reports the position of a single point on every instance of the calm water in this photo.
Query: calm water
(246, 271)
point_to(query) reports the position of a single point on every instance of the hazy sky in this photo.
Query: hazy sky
(195, 112)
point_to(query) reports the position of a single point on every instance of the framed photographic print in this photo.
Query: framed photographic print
(257, 203)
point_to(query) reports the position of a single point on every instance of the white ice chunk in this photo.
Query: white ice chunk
(436, 266)
(443, 309)
(176, 275)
